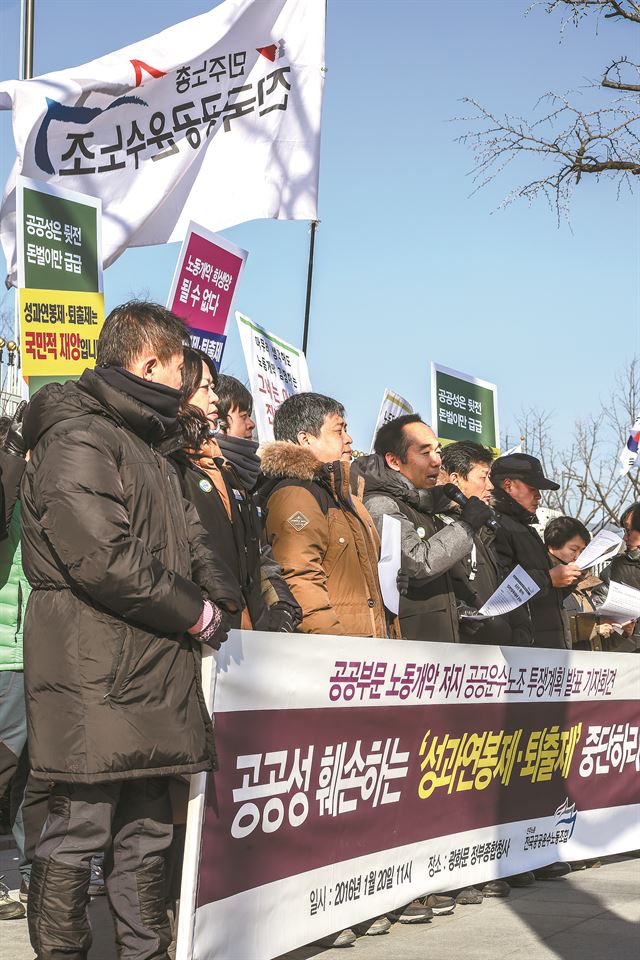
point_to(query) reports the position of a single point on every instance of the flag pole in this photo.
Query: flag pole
(27, 23)
(307, 309)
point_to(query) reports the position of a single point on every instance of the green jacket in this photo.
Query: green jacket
(14, 591)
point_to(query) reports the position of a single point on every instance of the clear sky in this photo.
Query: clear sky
(409, 266)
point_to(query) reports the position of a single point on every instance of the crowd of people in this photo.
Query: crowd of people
(140, 522)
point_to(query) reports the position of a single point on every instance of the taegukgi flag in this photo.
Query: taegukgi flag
(216, 119)
(630, 453)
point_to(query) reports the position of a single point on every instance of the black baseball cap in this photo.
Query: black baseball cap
(520, 466)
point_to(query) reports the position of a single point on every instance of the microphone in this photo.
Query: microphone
(454, 493)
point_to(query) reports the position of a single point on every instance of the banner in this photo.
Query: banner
(61, 305)
(276, 371)
(205, 280)
(59, 331)
(214, 119)
(463, 407)
(355, 775)
(392, 407)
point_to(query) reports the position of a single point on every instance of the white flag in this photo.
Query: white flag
(216, 119)
(392, 407)
(516, 449)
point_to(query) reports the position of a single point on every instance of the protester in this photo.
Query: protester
(321, 535)
(235, 408)
(124, 592)
(14, 591)
(478, 575)
(219, 484)
(518, 479)
(400, 481)
(625, 568)
(323, 538)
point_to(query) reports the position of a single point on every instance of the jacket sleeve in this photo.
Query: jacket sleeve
(423, 559)
(300, 554)
(209, 569)
(274, 587)
(79, 496)
(11, 470)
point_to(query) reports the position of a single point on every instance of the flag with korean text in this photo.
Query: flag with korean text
(216, 119)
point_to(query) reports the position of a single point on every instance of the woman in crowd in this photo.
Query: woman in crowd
(219, 484)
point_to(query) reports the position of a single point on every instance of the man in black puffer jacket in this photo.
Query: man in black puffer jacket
(518, 479)
(124, 591)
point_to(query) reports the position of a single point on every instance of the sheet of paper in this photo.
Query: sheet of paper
(517, 589)
(623, 602)
(390, 561)
(604, 545)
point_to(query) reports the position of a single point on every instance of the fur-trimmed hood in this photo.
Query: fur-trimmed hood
(283, 460)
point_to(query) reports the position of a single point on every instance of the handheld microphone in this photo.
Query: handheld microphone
(454, 493)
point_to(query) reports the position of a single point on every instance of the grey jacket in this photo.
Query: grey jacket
(430, 549)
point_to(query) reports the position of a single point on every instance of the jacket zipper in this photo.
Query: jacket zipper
(19, 612)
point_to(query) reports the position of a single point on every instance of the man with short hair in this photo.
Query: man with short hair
(124, 592)
(321, 535)
(518, 479)
(400, 480)
(235, 408)
(477, 576)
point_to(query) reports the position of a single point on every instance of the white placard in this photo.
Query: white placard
(277, 370)
(390, 561)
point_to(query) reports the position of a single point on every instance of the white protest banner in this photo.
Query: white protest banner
(216, 119)
(276, 371)
(392, 407)
(464, 407)
(355, 775)
(390, 562)
(516, 589)
(602, 547)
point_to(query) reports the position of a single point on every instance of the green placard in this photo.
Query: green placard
(60, 238)
(464, 410)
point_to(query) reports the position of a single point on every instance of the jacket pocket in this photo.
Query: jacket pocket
(339, 540)
(120, 667)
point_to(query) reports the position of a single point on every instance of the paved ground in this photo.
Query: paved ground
(590, 915)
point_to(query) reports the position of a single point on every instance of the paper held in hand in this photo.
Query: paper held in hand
(389, 564)
(518, 588)
(622, 603)
(604, 545)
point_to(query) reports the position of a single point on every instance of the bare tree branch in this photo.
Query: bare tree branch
(587, 469)
(568, 141)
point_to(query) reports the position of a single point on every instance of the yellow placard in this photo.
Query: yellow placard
(59, 330)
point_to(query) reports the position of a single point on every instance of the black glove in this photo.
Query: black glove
(283, 618)
(216, 631)
(402, 582)
(475, 513)
(14, 442)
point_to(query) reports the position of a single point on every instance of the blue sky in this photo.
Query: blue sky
(409, 266)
